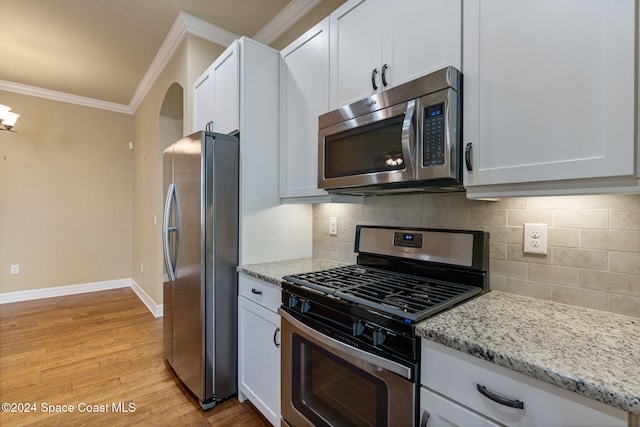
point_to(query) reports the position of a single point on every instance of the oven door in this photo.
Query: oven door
(328, 383)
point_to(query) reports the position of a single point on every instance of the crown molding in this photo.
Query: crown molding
(280, 23)
(183, 25)
(63, 97)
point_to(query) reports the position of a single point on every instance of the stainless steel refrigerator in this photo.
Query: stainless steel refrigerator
(200, 240)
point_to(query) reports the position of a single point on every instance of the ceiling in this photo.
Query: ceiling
(102, 49)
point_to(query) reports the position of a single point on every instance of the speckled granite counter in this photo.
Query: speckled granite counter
(593, 353)
(272, 272)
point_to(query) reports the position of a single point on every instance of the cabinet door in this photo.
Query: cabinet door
(438, 411)
(259, 358)
(305, 95)
(419, 37)
(227, 96)
(356, 50)
(549, 90)
(203, 94)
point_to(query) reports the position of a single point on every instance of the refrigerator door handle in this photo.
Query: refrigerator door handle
(170, 260)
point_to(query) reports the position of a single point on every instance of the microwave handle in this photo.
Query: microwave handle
(409, 137)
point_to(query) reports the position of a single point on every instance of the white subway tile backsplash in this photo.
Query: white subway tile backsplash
(508, 268)
(619, 283)
(529, 288)
(497, 250)
(593, 255)
(553, 274)
(580, 297)
(624, 304)
(515, 252)
(580, 258)
(519, 217)
(628, 219)
(506, 234)
(610, 240)
(563, 237)
(490, 217)
(611, 201)
(625, 262)
(553, 203)
(591, 218)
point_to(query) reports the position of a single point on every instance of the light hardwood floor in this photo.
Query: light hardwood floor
(96, 351)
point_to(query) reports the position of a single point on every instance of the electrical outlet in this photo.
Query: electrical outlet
(333, 226)
(535, 239)
(15, 269)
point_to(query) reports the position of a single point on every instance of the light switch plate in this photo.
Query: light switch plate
(333, 226)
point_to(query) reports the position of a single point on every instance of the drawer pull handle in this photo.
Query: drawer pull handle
(499, 399)
(255, 291)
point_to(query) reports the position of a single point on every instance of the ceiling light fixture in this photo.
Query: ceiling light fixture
(8, 118)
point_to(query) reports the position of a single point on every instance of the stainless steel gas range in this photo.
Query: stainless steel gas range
(350, 356)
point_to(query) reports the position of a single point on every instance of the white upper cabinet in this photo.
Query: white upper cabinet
(216, 93)
(378, 44)
(549, 96)
(304, 95)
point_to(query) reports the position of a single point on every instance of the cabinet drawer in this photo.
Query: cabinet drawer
(266, 294)
(457, 376)
(437, 411)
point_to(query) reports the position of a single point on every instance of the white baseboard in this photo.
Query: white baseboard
(59, 291)
(154, 308)
(63, 290)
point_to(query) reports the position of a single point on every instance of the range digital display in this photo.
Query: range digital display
(409, 240)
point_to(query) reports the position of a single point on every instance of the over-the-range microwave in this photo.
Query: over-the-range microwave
(404, 139)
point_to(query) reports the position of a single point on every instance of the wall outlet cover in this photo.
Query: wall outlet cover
(535, 239)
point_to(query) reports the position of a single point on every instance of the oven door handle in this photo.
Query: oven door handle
(389, 365)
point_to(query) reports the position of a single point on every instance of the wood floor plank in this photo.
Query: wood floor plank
(92, 352)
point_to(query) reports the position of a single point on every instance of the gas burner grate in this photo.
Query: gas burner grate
(410, 297)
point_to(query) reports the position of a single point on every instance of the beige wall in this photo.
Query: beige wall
(65, 195)
(593, 255)
(188, 62)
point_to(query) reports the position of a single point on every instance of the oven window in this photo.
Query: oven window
(368, 149)
(329, 391)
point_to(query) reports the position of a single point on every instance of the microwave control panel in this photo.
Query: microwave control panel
(433, 137)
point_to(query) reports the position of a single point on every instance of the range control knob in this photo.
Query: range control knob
(358, 328)
(378, 337)
(305, 306)
(293, 301)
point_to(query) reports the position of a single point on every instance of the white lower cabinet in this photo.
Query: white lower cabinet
(438, 411)
(259, 346)
(450, 396)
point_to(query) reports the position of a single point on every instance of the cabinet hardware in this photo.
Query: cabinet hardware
(499, 399)
(255, 291)
(425, 418)
(467, 156)
(384, 75)
(275, 335)
(373, 79)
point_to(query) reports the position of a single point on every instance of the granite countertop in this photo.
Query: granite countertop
(273, 272)
(594, 353)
